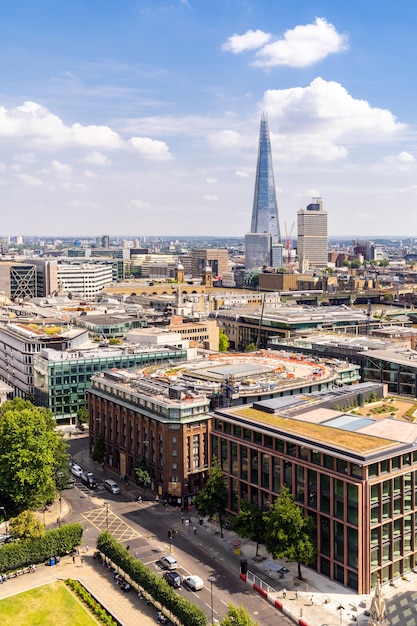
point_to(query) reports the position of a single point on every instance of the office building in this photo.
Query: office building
(258, 250)
(265, 208)
(354, 475)
(217, 259)
(312, 236)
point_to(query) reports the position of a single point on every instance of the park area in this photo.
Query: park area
(47, 605)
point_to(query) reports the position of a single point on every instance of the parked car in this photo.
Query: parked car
(173, 579)
(77, 470)
(168, 562)
(195, 583)
(89, 479)
(5, 538)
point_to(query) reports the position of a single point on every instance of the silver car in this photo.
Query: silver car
(168, 562)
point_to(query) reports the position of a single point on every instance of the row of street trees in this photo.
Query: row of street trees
(284, 529)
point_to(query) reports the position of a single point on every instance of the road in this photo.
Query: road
(144, 528)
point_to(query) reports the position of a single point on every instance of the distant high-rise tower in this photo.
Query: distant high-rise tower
(265, 208)
(312, 236)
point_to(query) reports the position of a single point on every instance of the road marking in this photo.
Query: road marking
(104, 519)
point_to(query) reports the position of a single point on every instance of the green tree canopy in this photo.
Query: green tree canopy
(250, 523)
(287, 531)
(26, 526)
(213, 498)
(237, 616)
(142, 475)
(82, 415)
(99, 451)
(31, 450)
(223, 341)
(251, 347)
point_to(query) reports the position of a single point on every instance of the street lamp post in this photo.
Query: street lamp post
(211, 579)
(340, 608)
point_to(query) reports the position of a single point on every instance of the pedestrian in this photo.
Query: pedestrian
(127, 485)
(156, 498)
(82, 561)
(270, 573)
(33, 568)
(182, 519)
(284, 593)
(86, 548)
(73, 558)
(128, 547)
(139, 498)
(312, 600)
(136, 555)
(296, 594)
(195, 529)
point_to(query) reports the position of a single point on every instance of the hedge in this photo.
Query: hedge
(186, 612)
(56, 542)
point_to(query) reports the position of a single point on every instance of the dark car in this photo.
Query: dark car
(173, 579)
(89, 479)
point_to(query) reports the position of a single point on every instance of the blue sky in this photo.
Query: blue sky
(141, 117)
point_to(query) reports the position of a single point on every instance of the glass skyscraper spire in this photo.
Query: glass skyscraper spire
(265, 208)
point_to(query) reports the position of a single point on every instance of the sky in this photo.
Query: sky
(141, 117)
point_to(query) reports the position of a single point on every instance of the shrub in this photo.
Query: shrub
(186, 612)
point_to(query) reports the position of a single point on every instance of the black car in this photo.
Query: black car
(89, 479)
(173, 579)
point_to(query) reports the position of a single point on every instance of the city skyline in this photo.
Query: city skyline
(144, 117)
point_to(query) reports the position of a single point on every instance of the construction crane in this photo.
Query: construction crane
(288, 241)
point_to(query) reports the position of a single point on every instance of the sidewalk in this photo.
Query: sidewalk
(127, 608)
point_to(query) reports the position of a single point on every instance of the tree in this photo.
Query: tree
(82, 415)
(249, 522)
(251, 347)
(26, 526)
(384, 262)
(99, 451)
(288, 531)
(223, 341)
(31, 450)
(142, 475)
(237, 616)
(213, 498)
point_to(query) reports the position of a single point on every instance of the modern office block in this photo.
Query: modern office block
(355, 476)
(312, 236)
(257, 250)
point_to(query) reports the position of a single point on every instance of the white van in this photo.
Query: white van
(112, 486)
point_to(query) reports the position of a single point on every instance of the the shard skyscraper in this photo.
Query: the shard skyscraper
(265, 208)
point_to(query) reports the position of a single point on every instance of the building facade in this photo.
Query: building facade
(312, 236)
(265, 208)
(143, 421)
(356, 477)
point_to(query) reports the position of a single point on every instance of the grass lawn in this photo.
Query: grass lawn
(48, 605)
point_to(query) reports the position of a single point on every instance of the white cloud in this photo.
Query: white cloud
(34, 124)
(242, 174)
(211, 181)
(229, 139)
(61, 169)
(406, 157)
(96, 158)
(27, 179)
(251, 40)
(139, 204)
(410, 189)
(26, 158)
(150, 148)
(323, 120)
(300, 47)
(213, 198)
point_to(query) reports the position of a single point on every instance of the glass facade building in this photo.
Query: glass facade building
(265, 208)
